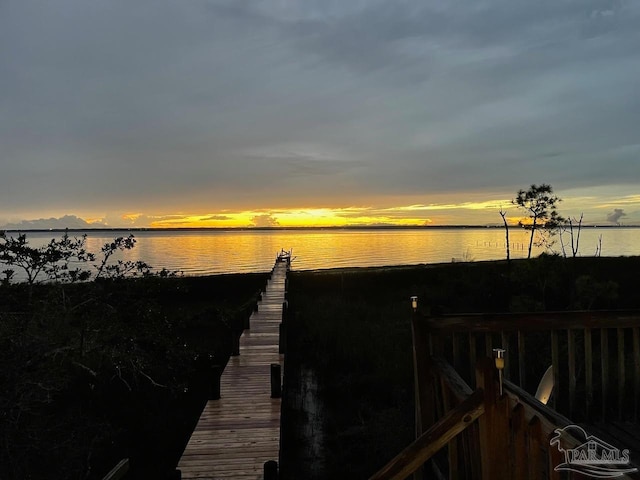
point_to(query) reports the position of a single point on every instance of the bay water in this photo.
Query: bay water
(204, 252)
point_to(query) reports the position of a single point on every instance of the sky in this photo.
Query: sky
(159, 113)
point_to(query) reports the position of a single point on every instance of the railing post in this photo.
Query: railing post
(424, 382)
(276, 385)
(494, 424)
(282, 343)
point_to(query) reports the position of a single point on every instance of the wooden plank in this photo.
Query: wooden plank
(429, 443)
(238, 433)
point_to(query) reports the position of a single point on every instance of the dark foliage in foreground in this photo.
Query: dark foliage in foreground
(352, 328)
(91, 373)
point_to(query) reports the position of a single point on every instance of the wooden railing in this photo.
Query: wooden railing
(486, 435)
(595, 355)
(478, 433)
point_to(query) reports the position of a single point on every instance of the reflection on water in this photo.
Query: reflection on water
(212, 252)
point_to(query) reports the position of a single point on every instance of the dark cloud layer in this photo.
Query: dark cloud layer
(152, 106)
(67, 221)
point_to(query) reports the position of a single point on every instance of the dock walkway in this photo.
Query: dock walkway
(237, 434)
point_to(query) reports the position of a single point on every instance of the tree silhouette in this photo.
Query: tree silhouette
(540, 204)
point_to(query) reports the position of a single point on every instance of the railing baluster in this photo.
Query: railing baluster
(521, 361)
(455, 347)
(504, 337)
(534, 433)
(520, 457)
(472, 359)
(452, 446)
(571, 352)
(621, 372)
(554, 458)
(423, 384)
(488, 344)
(555, 362)
(588, 372)
(636, 364)
(604, 369)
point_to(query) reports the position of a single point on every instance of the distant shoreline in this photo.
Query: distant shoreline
(276, 229)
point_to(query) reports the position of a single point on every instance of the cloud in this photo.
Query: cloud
(265, 220)
(616, 215)
(68, 221)
(263, 104)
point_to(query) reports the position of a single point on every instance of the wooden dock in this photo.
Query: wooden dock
(238, 433)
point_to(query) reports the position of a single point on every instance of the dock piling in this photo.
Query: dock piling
(276, 383)
(270, 470)
(282, 343)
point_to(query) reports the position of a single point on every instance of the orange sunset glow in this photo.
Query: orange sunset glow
(410, 216)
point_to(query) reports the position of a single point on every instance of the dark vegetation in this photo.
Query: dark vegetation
(352, 327)
(93, 372)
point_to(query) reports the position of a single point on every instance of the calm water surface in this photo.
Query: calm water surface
(212, 252)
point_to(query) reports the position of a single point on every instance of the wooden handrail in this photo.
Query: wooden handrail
(119, 471)
(454, 382)
(436, 437)
(536, 321)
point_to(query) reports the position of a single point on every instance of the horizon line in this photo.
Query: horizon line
(271, 228)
